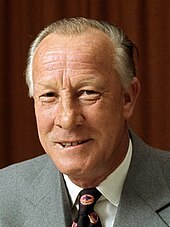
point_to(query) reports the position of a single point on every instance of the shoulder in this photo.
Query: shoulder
(23, 186)
(16, 181)
(19, 168)
(163, 159)
(141, 147)
(155, 158)
(15, 177)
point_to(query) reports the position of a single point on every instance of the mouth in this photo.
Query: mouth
(72, 144)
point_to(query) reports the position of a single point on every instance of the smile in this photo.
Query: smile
(72, 144)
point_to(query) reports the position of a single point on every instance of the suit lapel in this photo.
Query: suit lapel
(134, 211)
(144, 192)
(45, 201)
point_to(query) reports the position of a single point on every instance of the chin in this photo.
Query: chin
(67, 167)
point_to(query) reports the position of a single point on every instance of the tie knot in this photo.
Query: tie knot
(87, 217)
(88, 198)
(90, 194)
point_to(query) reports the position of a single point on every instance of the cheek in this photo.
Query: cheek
(44, 119)
(109, 123)
(44, 127)
(105, 116)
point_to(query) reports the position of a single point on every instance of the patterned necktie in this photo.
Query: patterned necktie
(87, 217)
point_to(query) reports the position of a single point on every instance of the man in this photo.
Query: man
(81, 74)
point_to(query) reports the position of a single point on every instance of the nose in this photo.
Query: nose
(69, 115)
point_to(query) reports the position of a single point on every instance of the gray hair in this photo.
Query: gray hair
(124, 48)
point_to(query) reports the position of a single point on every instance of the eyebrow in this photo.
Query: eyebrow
(46, 84)
(91, 80)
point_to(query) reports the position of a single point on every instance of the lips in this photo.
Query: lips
(72, 144)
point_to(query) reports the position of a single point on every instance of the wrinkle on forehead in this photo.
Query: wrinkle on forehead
(96, 44)
(66, 59)
(73, 55)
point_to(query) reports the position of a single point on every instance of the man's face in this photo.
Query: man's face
(79, 104)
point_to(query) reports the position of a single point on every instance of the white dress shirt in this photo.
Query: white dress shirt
(110, 188)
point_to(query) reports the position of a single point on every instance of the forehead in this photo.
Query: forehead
(93, 46)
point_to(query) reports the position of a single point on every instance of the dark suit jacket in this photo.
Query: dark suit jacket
(33, 194)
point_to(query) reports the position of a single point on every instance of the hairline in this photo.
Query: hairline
(84, 29)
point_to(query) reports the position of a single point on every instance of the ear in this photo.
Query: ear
(130, 96)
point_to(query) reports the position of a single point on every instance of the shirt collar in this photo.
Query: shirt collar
(111, 187)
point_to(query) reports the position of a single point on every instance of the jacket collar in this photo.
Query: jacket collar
(47, 200)
(145, 191)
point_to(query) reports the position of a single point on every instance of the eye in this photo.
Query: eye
(89, 95)
(49, 94)
(89, 92)
(48, 97)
